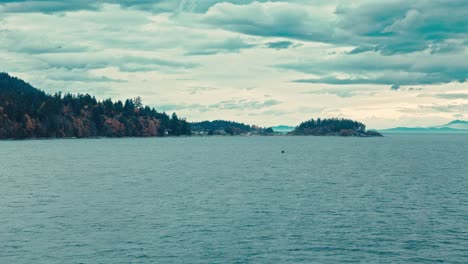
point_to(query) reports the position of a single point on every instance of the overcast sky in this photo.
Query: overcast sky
(386, 63)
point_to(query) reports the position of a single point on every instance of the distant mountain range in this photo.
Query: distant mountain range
(456, 126)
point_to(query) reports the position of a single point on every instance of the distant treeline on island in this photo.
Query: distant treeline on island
(334, 127)
(222, 127)
(27, 112)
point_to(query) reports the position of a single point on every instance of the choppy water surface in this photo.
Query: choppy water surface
(398, 199)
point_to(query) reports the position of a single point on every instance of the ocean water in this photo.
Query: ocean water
(397, 199)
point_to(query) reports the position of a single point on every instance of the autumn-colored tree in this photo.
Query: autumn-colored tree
(28, 112)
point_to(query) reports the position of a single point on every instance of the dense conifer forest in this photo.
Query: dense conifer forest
(26, 112)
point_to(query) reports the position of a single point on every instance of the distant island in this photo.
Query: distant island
(456, 126)
(333, 127)
(27, 112)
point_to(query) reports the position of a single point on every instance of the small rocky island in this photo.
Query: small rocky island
(333, 127)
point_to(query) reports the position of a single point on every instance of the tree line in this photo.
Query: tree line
(27, 112)
(220, 127)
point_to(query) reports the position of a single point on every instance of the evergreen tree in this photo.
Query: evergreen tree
(28, 112)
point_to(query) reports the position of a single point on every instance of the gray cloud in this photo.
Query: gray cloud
(176, 107)
(271, 19)
(382, 81)
(244, 104)
(414, 89)
(343, 93)
(362, 49)
(279, 45)
(241, 104)
(200, 89)
(395, 81)
(154, 6)
(130, 63)
(82, 77)
(32, 44)
(375, 68)
(54, 6)
(224, 46)
(452, 96)
(450, 108)
(393, 27)
(389, 27)
(395, 87)
(270, 113)
(25, 6)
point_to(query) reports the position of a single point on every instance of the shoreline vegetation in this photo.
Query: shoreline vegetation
(29, 113)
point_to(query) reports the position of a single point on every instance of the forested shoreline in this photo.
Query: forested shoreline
(27, 112)
(223, 127)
